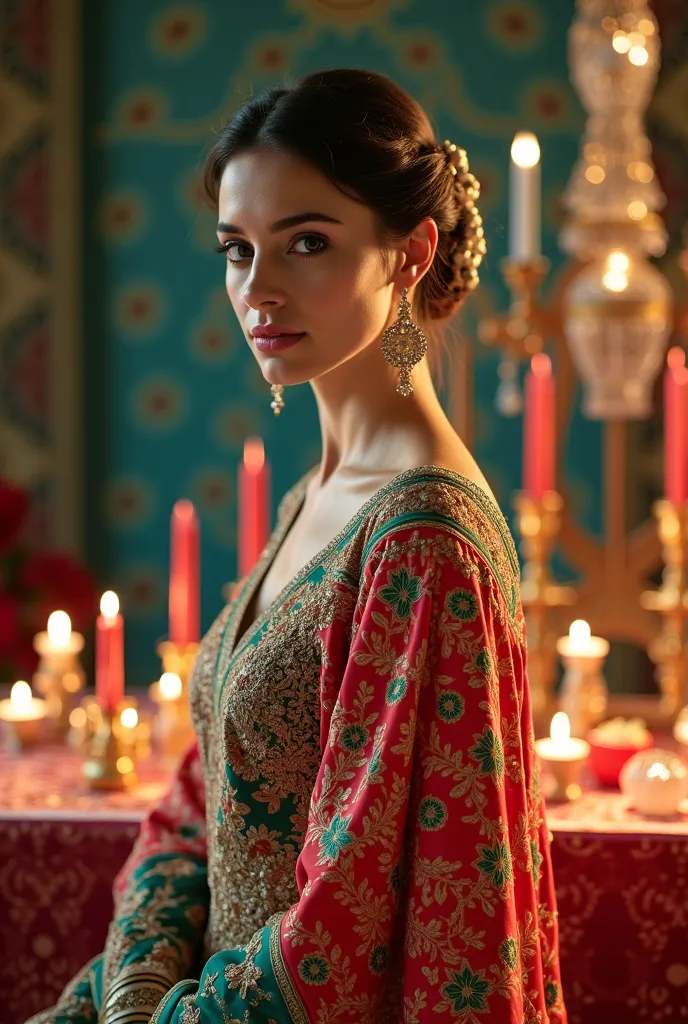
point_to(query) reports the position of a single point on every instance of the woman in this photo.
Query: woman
(357, 835)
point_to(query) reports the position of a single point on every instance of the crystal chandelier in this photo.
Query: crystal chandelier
(618, 310)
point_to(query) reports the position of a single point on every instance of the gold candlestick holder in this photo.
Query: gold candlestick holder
(538, 523)
(60, 677)
(173, 730)
(521, 332)
(669, 650)
(116, 740)
(583, 695)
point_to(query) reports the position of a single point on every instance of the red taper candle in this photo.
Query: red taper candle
(254, 504)
(676, 427)
(184, 596)
(109, 653)
(539, 428)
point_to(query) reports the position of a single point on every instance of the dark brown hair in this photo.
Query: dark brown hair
(377, 146)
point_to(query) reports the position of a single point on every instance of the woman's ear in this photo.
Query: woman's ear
(417, 252)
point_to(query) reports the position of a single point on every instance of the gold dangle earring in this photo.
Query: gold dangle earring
(277, 403)
(404, 345)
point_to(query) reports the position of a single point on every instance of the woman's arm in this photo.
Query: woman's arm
(161, 901)
(424, 880)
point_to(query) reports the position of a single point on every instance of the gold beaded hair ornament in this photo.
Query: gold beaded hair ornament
(403, 343)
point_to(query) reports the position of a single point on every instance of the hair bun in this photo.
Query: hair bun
(469, 246)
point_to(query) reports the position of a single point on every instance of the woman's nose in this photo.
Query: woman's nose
(261, 290)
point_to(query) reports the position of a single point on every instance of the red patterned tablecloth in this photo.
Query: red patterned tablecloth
(622, 885)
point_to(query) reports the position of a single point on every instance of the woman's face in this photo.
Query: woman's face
(304, 259)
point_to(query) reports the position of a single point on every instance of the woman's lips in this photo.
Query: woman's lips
(277, 342)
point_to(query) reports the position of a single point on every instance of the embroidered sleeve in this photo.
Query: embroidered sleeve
(161, 901)
(424, 880)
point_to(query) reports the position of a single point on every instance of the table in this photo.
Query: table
(622, 886)
(622, 890)
(61, 846)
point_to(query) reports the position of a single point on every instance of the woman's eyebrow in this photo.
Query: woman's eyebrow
(281, 225)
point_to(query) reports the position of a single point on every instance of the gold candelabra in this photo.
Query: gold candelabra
(538, 525)
(669, 649)
(607, 316)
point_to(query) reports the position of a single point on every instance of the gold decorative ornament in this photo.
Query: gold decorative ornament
(115, 742)
(277, 403)
(404, 345)
(538, 523)
(468, 254)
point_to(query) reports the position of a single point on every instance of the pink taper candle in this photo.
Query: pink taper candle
(109, 653)
(676, 427)
(254, 504)
(539, 428)
(185, 624)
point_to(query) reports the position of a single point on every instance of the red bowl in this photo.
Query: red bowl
(606, 762)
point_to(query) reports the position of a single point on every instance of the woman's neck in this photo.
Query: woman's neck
(367, 427)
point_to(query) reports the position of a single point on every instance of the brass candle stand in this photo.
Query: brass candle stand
(173, 729)
(538, 524)
(59, 678)
(113, 741)
(521, 333)
(669, 649)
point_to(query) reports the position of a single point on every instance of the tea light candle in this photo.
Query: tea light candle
(21, 715)
(563, 756)
(583, 688)
(580, 643)
(172, 730)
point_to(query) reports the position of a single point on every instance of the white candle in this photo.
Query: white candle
(524, 197)
(580, 643)
(560, 745)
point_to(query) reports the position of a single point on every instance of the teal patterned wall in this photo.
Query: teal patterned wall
(171, 389)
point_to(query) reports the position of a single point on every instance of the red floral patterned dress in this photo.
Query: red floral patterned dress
(373, 847)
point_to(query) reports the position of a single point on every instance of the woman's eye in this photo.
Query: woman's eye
(233, 251)
(311, 245)
(237, 251)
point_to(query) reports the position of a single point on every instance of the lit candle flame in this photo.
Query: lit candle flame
(59, 629)
(525, 149)
(109, 604)
(129, 718)
(579, 633)
(21, 697)
(170, 686)
(560, 728)
(254, 454)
